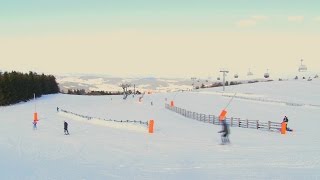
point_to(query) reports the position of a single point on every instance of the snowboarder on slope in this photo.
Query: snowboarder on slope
(225, 132)
(66, 132)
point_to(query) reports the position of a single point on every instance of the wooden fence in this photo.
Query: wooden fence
(232, 121)
(90, 117)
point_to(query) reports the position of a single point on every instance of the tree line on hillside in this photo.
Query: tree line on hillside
(16, 87)
(83, 92)
(218, 84)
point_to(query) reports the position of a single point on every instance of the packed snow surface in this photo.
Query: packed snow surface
(180, 148)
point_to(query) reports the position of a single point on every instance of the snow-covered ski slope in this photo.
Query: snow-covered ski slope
(180, 148)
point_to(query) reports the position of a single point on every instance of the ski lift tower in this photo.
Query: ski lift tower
(193, 79)
(134, 89)
(249, 73)
(224, 77)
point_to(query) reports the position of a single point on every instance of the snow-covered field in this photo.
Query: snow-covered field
(180, 148)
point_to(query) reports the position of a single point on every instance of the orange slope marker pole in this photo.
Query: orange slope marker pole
(222, 115)
(173, 98)
(35, 114)
(172, 103)
(283, 127)
(151, 126)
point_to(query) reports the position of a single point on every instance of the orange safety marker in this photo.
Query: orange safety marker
(151, 124)
(35, 116)
(283, 127)
(224, 112)
(222, 115)
(172, 104)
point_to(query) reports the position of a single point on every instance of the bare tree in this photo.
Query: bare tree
(125, 89)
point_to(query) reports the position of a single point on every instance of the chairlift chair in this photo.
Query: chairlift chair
(267, 75)
(302, 67)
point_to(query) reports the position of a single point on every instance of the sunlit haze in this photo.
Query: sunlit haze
(159, 38)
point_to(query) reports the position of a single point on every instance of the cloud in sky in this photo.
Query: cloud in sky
(246, 23)
(260, 18)
(252, 21)
(159, 53)
(295, 18)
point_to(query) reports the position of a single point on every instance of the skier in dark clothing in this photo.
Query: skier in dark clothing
(66, 132)
(34, 125)
(225, 132)
(57, 109)
(286, 120)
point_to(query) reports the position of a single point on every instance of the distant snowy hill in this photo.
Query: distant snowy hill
(100, 83)
(107, 83)
(97, 83)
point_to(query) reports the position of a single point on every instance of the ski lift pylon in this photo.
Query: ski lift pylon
(249, 73)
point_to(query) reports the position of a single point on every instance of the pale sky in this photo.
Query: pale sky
(159, 38)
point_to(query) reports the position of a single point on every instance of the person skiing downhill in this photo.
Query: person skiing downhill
(66, 132)
(225, 132)
(34, 125)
